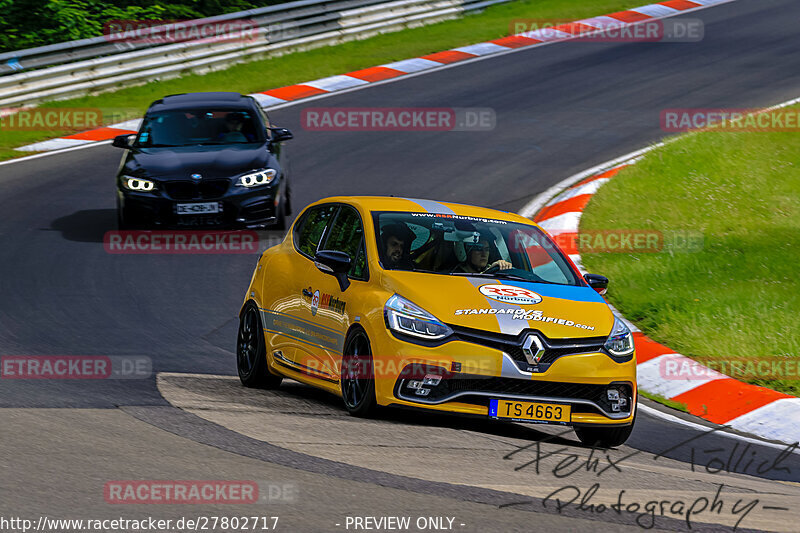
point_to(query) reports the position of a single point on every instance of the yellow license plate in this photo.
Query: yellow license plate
(539, 412)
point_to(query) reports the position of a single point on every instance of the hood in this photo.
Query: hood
(212, 162)
(503, 306)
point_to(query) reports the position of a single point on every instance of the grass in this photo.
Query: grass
(737, 294)
(666, 401)
(261, 75)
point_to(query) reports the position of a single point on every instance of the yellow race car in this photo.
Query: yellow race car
(393, 301)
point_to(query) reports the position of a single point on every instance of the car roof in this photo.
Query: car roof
(200, 100)
(416, 205)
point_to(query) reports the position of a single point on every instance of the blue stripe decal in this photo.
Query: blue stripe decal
(564, 292)
(432, 207)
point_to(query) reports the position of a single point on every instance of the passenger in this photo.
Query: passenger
(477, 257)
(397, 239)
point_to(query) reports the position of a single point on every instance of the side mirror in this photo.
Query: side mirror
(281, 134)
(336, 264)
(597, 282)
(123, 141)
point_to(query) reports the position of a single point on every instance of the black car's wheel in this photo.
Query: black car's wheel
(604, 437)
(280, 215)
(251, 353)
(358, 378)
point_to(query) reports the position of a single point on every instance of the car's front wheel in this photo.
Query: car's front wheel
(358, 377)
(604, 437)
(251, 352)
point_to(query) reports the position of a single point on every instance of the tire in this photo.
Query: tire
(280, 215)
(251, 352)
(358, 377)
(604, 437)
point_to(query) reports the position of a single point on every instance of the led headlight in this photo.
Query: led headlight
(257, 179)
(620, 341)
(408, 318)
(138, 184)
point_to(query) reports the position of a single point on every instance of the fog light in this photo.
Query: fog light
(431, 379)
(613, 395)
(423, 392)
(615, 407)
(623, 401)
(414, 384)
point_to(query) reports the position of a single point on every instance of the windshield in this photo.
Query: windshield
(469, 246)
(199, 127)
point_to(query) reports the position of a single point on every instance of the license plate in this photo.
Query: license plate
(198, 209)
(530, 411)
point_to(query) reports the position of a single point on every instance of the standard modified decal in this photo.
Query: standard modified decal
(510, 294)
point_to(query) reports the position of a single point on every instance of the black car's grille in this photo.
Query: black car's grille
(512, 345)
(200, 190)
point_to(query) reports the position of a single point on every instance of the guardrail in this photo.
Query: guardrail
(77, 68)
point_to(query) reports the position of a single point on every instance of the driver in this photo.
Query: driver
(477, 260)
(396, 239)
(234, 122)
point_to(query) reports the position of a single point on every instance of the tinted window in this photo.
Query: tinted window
(312, 227)
(190, 127)
(347, 235)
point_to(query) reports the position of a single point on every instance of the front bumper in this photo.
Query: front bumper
(472, 375)
(238, 207)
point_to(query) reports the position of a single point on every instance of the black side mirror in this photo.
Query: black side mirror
(281, 134)
(123, 141)
(335, 263)
(597, 282)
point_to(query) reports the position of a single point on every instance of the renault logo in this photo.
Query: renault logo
(532, 348)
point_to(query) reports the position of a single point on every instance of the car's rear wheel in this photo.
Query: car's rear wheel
(251, 352)
(358, 377)
(604, 437)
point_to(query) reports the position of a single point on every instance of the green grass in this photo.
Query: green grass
(738, 295)
(266, 74)
(666, 401)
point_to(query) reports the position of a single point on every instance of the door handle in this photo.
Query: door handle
(307, 292)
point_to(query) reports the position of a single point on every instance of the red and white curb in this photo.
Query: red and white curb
(716, 397)
(406, 67)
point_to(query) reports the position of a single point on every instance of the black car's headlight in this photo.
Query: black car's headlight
(620, 341)
(257, 178)
(405, 317)
(138, 184)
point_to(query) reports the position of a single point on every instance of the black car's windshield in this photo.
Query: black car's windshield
(199, 127)
(470, 246)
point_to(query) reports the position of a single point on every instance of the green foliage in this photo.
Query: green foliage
(30, 23)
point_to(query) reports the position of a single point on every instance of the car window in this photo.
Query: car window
(463, 245)
(312, 228)
(190, 127)
(346, 235)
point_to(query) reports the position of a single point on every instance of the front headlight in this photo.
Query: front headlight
(138, 184)
(408, 318)
(257, 179)
(620, 342)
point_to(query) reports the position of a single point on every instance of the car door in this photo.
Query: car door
(328, 307)
(296, 337)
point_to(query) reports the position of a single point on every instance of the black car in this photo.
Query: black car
(200, 160)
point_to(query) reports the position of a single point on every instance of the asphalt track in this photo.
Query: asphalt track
(560, 109)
